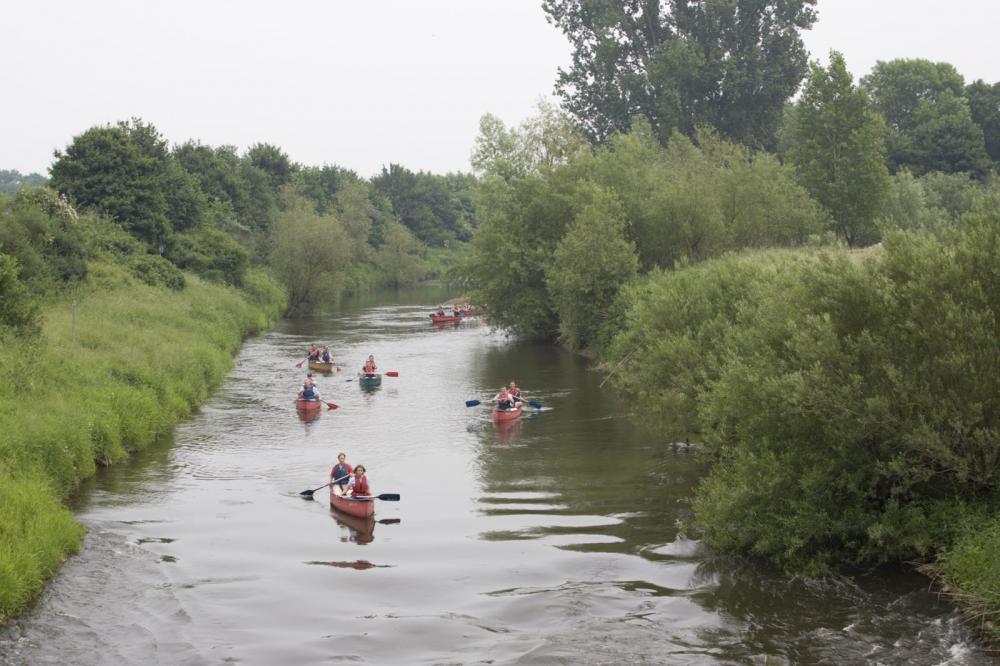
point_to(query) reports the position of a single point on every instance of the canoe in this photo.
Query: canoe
(307, 405)
(506, 414)
(362, 508)
(370, 381)
(319, 366)
(444, 319)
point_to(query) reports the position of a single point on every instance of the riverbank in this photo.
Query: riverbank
(98, 384)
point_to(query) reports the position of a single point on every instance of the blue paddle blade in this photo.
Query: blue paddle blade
(535, 404)
(472, 403)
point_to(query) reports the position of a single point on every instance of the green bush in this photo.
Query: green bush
(156, 271)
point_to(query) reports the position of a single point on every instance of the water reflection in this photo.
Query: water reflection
(359, 530)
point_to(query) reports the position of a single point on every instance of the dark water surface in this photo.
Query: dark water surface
(552, 540)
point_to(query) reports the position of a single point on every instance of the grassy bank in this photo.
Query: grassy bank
(141, 359)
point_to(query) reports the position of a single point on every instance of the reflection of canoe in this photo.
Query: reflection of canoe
(363, 527)
(360, 508)
(370, 381)
(319, 366)
(307, 405)
(506, 414)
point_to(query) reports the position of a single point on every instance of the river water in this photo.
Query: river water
(552, 540)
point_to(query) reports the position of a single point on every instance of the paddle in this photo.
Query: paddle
(330, 405)
(391, 373)
(385, 497)
(309, 493)
(299, 364)
(476, 403)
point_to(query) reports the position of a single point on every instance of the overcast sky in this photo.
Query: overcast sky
(358, 83)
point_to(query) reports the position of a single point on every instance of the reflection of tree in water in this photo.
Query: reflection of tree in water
(583, 452)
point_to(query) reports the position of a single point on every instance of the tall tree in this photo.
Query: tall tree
(839, 151)
(682, 64)
(984, 103)
(930, 126)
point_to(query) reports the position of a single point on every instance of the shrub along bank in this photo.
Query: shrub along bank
(849, 405)
(143, 358)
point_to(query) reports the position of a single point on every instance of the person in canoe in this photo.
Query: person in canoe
(503, 399)
(369, 367)
(358, 485)
(327, 356)
(440, 312)
(456, 311)
(340, 475)
(514, 392)
(309, 390)
(314, 353)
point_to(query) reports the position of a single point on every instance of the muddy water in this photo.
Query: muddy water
(551, 540)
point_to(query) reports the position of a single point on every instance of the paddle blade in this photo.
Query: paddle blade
(338, 369)
(307, 493)
(535, 404)
(392, 374)
(299, 364)
(472, 403)
(388, 497)
(330, 405)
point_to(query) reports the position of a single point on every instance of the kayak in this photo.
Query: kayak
(370, 381)
(506, 414)
(362, 508)
(307, 405)
(320, 366)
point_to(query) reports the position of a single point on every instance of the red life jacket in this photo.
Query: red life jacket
(361, 487)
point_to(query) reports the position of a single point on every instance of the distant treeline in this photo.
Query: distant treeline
(702, 234)
(323, 231)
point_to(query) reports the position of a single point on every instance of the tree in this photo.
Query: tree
(590, 264)
(272, 161)
(930, 125)
(11, 180)
(984, 104)
(839, 151)
(309, 253)
(18, 312)
(682, 64)
(105, 169)
(424, 204)
(399, 256)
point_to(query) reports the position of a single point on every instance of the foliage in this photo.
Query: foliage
(11, 180)
(841, 400)
(984, 105)
(211, 254)
(18, 311)
(930, 124)
(839, 152)
(44, 233)
(156, 271)
(309, 253)
(399, 257)
(590, 264)
(682, 65)
(972, 563)
(546, 139)
(425, 204)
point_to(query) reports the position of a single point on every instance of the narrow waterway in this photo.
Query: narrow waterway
(551, 540)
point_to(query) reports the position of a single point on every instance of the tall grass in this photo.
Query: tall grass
(140, 360)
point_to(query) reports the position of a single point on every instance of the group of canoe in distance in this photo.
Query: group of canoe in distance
(308, 398)
(508, 403)
(456, 314)
(350, 491)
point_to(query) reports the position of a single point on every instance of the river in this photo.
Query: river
(554, 540)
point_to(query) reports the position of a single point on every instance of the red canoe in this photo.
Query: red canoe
(506, 414)
(361, 508)
(444, 319)
(307, 405)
